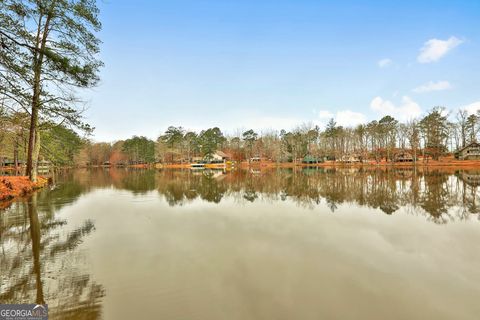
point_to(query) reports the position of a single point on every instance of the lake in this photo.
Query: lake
(248, 244)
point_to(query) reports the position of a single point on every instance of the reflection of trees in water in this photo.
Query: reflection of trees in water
(431, 192)
(182, 186)
(138, 181)
(435, 199)
(470, 182)
(40, 263)
(442, 195)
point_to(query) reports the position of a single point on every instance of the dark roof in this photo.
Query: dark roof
(10, 161)
(470, 145)
(222, 154)
(403, 153)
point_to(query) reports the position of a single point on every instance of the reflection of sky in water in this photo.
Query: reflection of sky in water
(276, 260)
(268, 258)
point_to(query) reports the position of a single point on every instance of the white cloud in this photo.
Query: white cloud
(325, 114)
(433, 86)
(407, 110)
(346, 118)
(384, 63)
(349, 118)
(434, 49)
(473, 107)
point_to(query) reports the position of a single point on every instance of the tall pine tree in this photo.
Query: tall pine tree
(48, 49)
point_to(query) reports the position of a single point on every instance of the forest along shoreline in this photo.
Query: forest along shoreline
(12, 187)
(442, 162)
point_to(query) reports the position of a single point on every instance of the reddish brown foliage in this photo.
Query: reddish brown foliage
(11, 187)
(117, 157)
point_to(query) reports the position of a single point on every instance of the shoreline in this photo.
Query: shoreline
(13, 187)
(461, 164)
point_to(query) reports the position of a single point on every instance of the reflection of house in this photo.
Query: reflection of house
(216, 174)
(471, 178)
(403, 156)
(469, 152)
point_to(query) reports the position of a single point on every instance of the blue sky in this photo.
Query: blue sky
(275, 64)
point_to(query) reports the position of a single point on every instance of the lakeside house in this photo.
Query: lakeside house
(255, 160)
(352, 158)
(469, 152)
(44, 166)
(403, 156)
(6, 162)
(218, 157)
(196, 159)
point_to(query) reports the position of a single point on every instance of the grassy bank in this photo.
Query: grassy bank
(12, 187)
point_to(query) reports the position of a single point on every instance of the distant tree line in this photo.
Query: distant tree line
(432, 136)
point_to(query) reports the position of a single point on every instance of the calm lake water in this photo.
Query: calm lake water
(277, 244)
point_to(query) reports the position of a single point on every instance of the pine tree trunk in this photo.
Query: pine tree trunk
(36, 153)
(31, 140)
(15, 155)
(37, 71)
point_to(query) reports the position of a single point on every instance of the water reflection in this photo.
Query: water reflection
(35, 237)
(440, 195)
(39, 259)
(41, 256)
